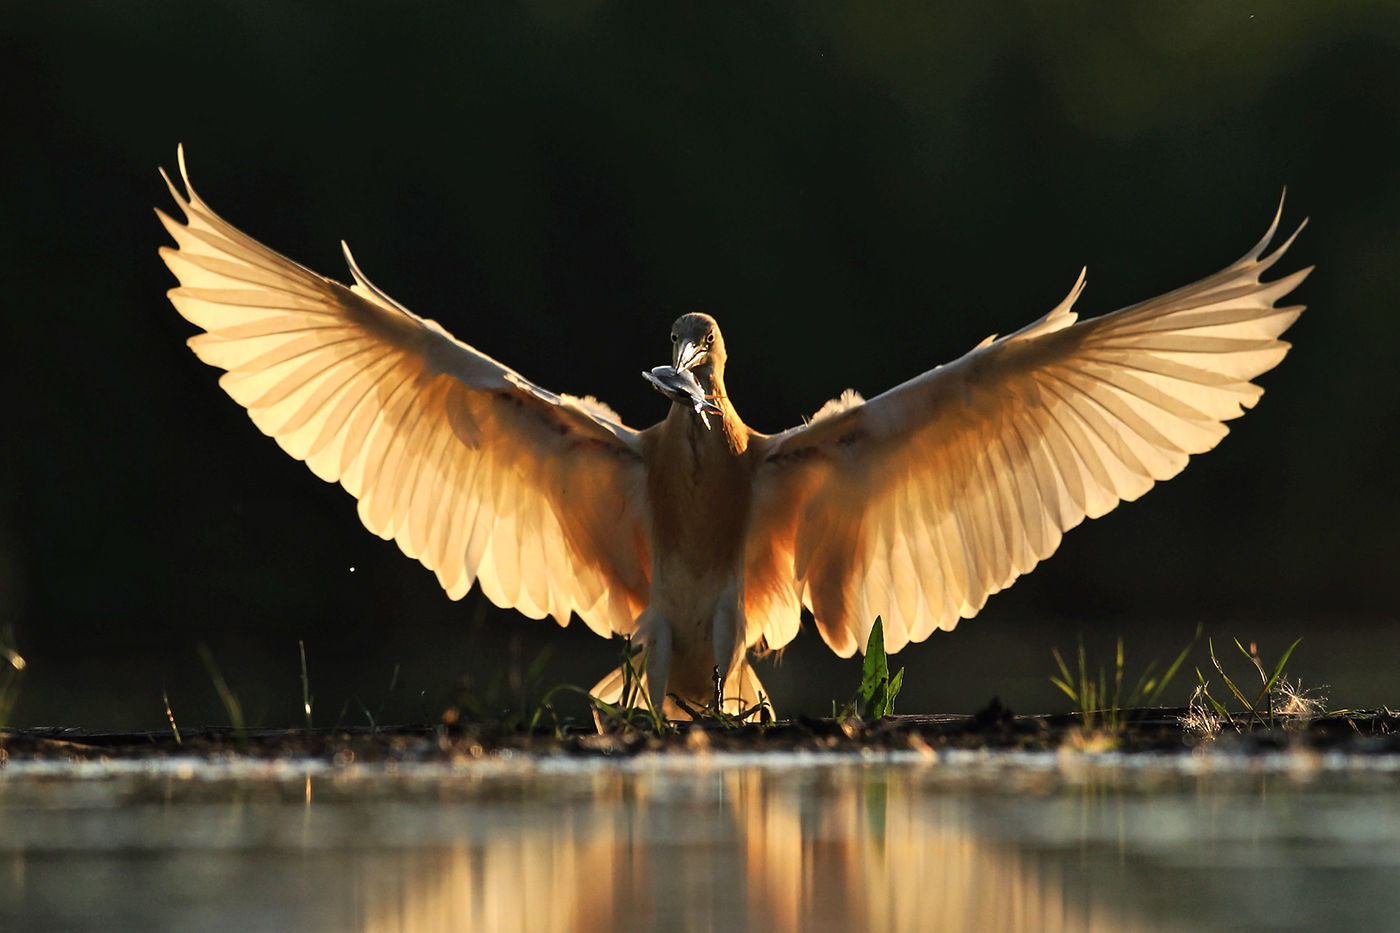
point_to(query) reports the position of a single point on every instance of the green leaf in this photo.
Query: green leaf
(875, 669)
(896, 684)
(877, 691)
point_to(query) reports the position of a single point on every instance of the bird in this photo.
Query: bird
(705, 541)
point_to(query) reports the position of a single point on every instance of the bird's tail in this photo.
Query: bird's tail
(627, 687)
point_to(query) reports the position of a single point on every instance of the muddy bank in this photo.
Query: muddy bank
(1157, 730)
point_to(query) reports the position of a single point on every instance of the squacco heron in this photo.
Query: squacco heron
(706, 539)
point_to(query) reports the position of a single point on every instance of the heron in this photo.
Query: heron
(700, 537)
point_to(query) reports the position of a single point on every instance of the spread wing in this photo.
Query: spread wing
(918, 504)
(472, 469)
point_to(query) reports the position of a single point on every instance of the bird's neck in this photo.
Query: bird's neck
(731, 428)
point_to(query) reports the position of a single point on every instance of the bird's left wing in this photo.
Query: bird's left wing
(917, 505)
(472, 469)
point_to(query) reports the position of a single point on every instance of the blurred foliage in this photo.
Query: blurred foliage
(858, 193)
(1103, 703)
(12, 668)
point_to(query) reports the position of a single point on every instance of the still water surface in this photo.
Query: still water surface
(731, 843)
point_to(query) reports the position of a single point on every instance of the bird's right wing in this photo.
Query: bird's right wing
(918, 504)
(472, 469)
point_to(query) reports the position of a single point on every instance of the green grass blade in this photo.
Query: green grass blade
(536, 669)
(1118, 674)
(1250, 656)
(226, 696)
(1278, 668)
(305, 688)
(1171, 671)
(170, 714)
(1085, 684)
(1145, 683)
(1249, 707)
(1230, 684)
(1214, 703)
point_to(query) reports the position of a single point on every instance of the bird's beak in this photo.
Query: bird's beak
(688, 355)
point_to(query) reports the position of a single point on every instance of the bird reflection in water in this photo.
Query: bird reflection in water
(751, 849)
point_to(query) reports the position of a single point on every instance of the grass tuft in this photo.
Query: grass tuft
(623, 716)
(1102, 709)
(1277, 701)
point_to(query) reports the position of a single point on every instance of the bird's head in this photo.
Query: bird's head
(696, 345)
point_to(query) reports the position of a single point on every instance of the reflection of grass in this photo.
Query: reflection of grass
(1104, 709)
(12, 667)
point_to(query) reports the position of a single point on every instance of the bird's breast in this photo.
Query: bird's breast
(699, 491)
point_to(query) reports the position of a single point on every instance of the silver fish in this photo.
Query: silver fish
(680, 385)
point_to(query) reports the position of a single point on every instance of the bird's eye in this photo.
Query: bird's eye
(674, 338)
(709, 340)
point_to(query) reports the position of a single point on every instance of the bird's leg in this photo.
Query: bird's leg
(656, 629)
(724, 634)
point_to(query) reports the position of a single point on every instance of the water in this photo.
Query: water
(960, 841)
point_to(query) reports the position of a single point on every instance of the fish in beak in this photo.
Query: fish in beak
(680, 386)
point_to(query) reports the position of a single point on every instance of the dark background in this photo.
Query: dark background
(858, 194)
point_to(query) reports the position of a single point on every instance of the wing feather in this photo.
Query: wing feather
(920, 503)
(473, 470)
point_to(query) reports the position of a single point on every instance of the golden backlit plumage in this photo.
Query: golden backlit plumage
(706, 540)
